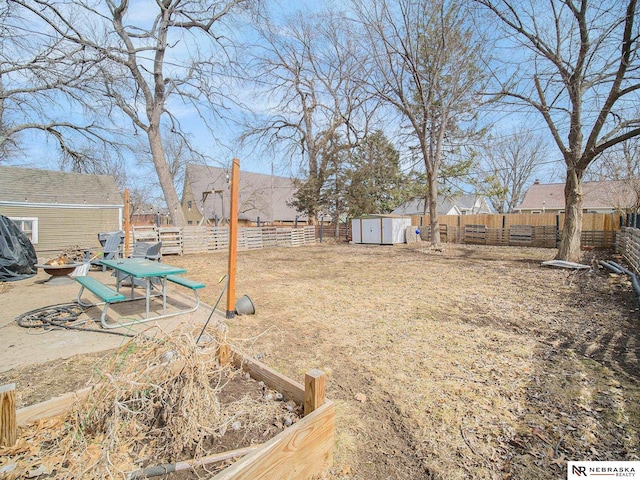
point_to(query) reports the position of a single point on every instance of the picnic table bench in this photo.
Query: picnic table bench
(105, 293)
(185, 282)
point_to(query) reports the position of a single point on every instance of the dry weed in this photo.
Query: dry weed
(157, 400)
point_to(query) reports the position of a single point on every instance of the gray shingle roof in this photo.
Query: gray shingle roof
(33, 186)
(597, 195)
(261, 195)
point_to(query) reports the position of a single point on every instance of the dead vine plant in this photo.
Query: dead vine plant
(156, 400)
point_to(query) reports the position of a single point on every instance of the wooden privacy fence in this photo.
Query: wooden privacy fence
(590, 221)
(516, 235)
(542, 230)
(211, 239)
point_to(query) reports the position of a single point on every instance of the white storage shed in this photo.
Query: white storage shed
(380, 229)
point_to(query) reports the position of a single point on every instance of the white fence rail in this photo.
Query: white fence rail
(212, 239)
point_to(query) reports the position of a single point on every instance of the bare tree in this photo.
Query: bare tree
(141, 75)
(512, 162)
(45, 86)
(578, 68)
(317, 106)
(427, 66)
(178, 153)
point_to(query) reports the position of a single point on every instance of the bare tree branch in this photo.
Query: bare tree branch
(588, 53)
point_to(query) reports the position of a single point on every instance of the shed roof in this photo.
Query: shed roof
(30, 186)
(260, 195)
(611, 194)
(383, 215)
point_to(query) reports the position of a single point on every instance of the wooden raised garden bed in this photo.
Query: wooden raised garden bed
(300, 451)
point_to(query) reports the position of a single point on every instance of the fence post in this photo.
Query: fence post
(8, 424)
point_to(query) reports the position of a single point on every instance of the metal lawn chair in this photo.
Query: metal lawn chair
(111, 250)
(150, 251)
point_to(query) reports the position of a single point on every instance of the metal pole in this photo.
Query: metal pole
(233, 239)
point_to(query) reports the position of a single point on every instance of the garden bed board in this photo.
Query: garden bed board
(300, 451)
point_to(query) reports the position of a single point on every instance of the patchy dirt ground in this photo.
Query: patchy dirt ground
(456, 362)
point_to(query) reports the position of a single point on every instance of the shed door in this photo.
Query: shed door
(356, 232)
(387, 231)
(372, 230)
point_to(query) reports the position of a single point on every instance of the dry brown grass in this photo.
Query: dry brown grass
(457, 362)
(449, 363)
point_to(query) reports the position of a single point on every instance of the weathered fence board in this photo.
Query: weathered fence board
(476, 234)
(601, 239)
(145, 233)
(497, 236)
(171, 239)
(590, 221)
(200, 239)
(628, 245)
(250, 239)
(521, 234)
(545, 236)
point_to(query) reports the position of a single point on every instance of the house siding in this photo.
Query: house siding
(193, 214)
(63, 227)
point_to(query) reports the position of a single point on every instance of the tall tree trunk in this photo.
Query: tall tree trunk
(434, 222)
(569, 248)
(166, 180)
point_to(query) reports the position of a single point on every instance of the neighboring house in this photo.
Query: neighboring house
(464, 204)
(613, 196)
(156, 217)
(262, 198)
(58, 210)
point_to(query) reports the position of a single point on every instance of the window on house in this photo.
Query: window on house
(29, 226)
(189, 222)
(189, 204)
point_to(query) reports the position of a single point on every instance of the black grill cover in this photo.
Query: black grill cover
(17, 255)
